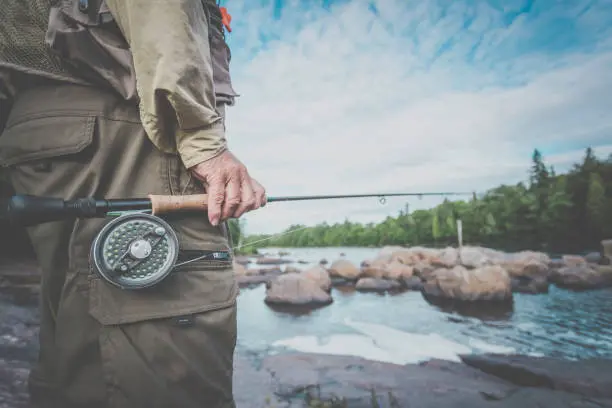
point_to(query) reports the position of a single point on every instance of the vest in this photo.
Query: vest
(78, 41)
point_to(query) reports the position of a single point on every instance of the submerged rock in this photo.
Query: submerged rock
(376, 285)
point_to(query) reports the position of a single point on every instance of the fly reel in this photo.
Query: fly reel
(135, 251)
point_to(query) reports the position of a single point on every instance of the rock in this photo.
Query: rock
(412, 283)
(343, 268)
(529, 276)
(386, 252)
(526, 257)
(272, 261)
(423, 271)
(489, 283)
(345, 381)
(376, 285)
(593, 257)
(573, 260)
(415, 255)
(397, 271)
(296, 289)
(253, 280)
(319, 275)
(242, 260)
(583, 277)
(323, 262)
(302, 262)
(528, 285)
(590, 377)
(474, 257)
(448, 258)
(373, 268)
(292, 269)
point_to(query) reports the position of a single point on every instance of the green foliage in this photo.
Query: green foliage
(554, 212)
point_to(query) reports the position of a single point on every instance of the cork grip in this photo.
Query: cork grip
(163, 204)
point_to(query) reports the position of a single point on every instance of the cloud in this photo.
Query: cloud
(394, 95)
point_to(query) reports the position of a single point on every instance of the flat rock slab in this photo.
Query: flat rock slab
(356, 382)
(591, 377)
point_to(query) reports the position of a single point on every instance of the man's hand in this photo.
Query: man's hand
(231, 191)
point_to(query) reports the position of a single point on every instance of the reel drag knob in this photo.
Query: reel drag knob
(135, 251)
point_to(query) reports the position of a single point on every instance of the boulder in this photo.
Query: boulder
(529, 276)
(345, 269)
(573, 260)
(264, 260)
(488, 283)
(376, 285)
(319, 275)
(583, 277)
(593, 257)
(296, 290)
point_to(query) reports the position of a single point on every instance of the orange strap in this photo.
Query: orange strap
(226, 18)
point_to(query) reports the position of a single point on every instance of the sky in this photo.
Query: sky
(355, 96)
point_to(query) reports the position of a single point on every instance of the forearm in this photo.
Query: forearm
(174, 73)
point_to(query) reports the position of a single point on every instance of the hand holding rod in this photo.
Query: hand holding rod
(28, 210)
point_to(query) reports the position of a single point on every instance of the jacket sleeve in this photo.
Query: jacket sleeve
(174, 75)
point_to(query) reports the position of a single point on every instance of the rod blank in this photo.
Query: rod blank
(28, 210)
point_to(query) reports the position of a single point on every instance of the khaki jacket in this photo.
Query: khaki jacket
(169, 56)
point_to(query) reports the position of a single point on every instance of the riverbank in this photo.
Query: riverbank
(291, 380)
(397, 347)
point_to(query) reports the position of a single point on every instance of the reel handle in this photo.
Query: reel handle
(164, 204)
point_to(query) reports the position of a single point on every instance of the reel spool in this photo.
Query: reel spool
(135, 251)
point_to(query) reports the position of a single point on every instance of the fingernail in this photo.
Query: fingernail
(214, 222)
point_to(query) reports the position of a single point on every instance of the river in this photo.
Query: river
(405, 328)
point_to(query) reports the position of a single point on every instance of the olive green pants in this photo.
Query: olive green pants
(168, 346)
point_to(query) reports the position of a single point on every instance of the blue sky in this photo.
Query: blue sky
(359, 96)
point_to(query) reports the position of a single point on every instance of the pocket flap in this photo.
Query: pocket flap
(196, 288)
(63, 135)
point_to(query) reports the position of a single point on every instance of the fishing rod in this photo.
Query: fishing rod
(137, 248)
(28, 210)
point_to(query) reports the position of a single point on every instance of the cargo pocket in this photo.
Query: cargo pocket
(84, 34)
(198, 287)
(33, 148)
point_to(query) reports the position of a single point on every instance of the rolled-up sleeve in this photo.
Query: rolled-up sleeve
(174, 75)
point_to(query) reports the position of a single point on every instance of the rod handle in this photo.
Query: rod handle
(168, 203)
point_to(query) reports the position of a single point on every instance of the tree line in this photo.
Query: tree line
(555, 213)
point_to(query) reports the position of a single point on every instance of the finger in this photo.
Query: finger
(216, 197)
(232, 198)
(260, 193)
(248, 199)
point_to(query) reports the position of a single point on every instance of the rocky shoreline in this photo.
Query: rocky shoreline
(291, 380)
(472, 275)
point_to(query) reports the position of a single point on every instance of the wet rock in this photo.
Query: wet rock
(528, 276)
(583, 277)
(376, 285)
(296, 289)
(356, 382)
(489, 283)
(323, 262)
(423, 271)
(343, 268)
(320, 276)
(590, 377)
(242, 260)
(373, 268)
(249, 281)
(272, 261)
(302, 262)
(292, 269)
(412, 283)
(530, 285)
(593, 257)
(573, 260)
